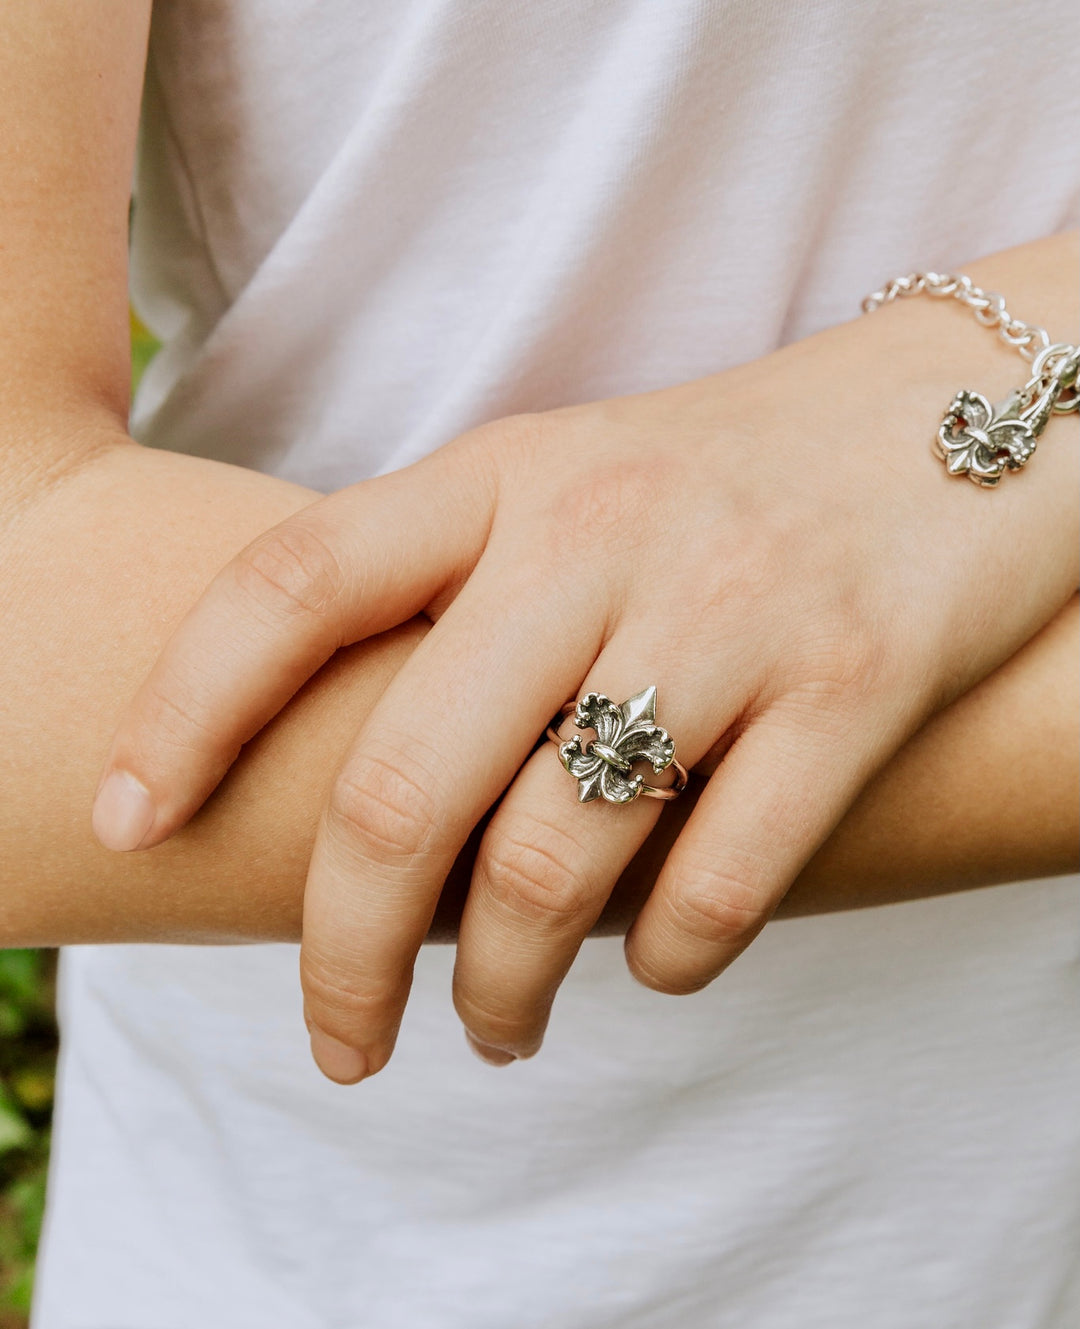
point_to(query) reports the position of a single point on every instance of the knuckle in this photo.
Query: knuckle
(289, 570)
(722, 915)
(522, 431)
(724, 909)
(528, 874)
(868, 660)
(494, 448)
(840, 670)
(174, 711)
(385, 807)
(736, 568)
(845, 657)
(512, 1028)
(728, 575)
(725, 915)
(344, 1001)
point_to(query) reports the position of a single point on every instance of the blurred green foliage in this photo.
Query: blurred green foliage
(28, 1047)
(143, 346)
(27, 1069)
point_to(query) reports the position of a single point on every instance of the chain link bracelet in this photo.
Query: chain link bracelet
(975, 438)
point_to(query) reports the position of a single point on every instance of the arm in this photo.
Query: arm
(772, 546)
(104, 545)
(143, 531)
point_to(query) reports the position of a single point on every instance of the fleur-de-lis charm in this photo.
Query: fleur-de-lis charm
(983, 441)
(977, 441)
(624, 734)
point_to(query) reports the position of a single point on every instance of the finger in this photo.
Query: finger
(548, 862)
(776, 796)
(444, 741)
(348, 566)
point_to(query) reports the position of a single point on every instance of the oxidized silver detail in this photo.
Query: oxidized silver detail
(983, 441)
(976, 439)
(624, 735)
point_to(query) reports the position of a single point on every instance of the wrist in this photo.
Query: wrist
(862, 402)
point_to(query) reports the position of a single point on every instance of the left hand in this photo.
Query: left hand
(773, 547)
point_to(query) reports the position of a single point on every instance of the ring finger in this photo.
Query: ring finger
(548, 862)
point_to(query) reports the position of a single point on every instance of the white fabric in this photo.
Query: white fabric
(361, 229)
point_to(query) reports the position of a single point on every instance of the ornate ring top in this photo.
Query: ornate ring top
(625, 735)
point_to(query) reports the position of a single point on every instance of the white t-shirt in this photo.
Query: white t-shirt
(361, 228)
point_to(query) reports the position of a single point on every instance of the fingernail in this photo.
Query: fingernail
(336, 1059)
(123, 812)
(493, 1056)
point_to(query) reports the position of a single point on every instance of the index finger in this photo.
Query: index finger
(329, 575)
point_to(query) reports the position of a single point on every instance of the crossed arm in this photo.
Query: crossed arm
(105, 544)
(102, 561)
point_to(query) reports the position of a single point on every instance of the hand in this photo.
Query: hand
(773, 547)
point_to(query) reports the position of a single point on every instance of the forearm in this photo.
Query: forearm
(98, 570)
(103, 564)
(104, 547)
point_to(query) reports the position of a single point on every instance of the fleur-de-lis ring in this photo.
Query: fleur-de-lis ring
(625, 735)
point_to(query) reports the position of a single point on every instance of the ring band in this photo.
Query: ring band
(624, 735)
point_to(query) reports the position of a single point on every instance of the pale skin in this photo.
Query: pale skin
(106, 545)
(818, 604)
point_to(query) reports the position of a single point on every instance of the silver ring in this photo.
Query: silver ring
(624, 735)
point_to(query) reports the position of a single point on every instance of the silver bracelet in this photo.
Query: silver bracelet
(975, 438)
